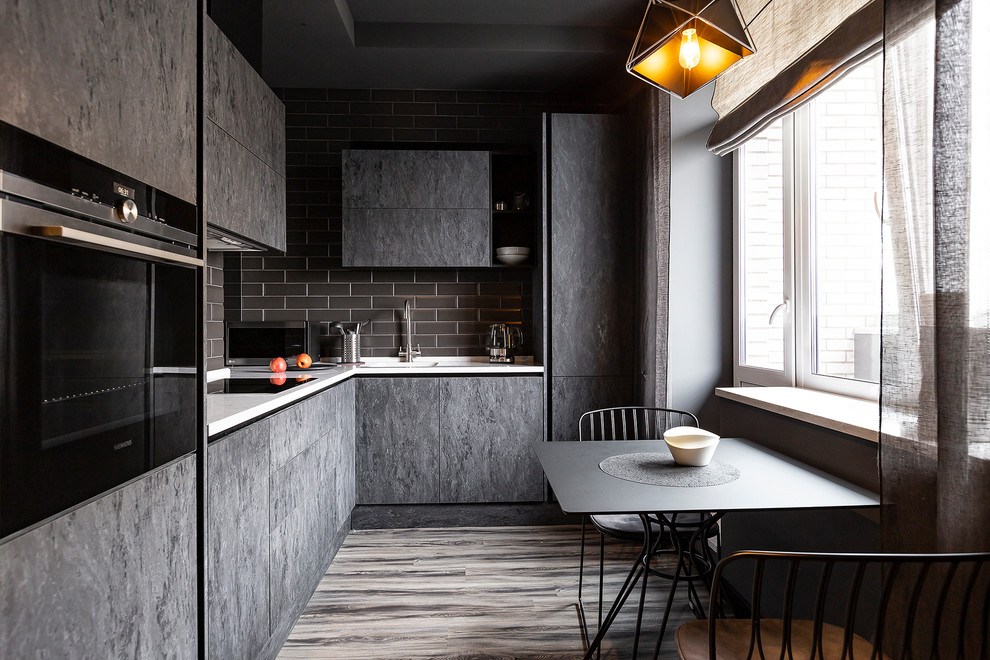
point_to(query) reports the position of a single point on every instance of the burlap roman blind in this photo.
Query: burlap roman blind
(802, 47)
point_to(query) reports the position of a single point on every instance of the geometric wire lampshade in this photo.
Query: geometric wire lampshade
(683, 44)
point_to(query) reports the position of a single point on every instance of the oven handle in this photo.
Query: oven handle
(68, 233)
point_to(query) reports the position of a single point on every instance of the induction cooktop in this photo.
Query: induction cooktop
(257, 385)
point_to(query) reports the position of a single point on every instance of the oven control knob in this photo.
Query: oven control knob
(126, 210)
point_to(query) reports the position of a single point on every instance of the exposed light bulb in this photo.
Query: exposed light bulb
(690, 51)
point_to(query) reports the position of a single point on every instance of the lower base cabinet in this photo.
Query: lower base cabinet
(280, 493)
(488, 427)
(114, 578)
(238, 494)
(398, 439)
(449, 440)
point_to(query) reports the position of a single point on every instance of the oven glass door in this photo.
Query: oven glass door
(99, 384)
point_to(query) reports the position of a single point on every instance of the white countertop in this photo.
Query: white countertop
(226, 411)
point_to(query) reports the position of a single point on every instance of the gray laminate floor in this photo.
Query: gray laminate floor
(500, 592)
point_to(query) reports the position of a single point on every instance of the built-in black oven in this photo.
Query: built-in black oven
(98, 324)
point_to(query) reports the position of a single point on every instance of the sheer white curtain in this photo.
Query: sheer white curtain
(935, 376)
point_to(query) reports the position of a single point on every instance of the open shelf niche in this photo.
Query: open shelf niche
(515, 184)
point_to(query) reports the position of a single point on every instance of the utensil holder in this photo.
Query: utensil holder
(352, 349)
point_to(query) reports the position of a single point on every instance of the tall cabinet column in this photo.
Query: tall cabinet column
(115, 82)
(593, 279)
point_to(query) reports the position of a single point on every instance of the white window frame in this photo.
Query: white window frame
(745, 374)
(798, 283)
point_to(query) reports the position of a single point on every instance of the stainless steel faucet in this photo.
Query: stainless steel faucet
(408, 353)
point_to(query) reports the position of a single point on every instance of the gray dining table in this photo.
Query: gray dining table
(756, 479)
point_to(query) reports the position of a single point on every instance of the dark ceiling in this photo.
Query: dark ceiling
(446, 44)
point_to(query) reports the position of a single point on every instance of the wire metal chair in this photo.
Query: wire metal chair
(624, 423)
(842, 605)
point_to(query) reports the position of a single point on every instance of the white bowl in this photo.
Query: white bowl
(690, 445)
(512, 259)
(514, 249)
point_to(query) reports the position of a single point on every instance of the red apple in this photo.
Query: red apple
(277, 365)
(304, 361)
(278, 378)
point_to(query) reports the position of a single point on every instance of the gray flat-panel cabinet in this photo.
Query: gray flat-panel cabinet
(112, 80)
(311, 496)
(593, 264)
(488, 426)
(398, 440)
(416, 237)
(238, 477)
(280, 494)
(241, 193)
(416, 208)
(576, 395)
(236, 99)
(302, 520)
(344, 449)
(115, 578)
(458, 439)
(243, 146)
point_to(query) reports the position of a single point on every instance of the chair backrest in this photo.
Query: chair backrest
(631, 423)
(902, 605)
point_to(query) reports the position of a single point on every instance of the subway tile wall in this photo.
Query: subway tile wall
(214, 310)
(452, 307)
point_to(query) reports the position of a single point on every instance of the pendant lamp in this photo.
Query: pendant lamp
(683, 44)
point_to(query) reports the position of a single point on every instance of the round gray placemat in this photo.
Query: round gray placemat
(659, 469)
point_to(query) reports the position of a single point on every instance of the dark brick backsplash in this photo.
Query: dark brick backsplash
(215, 303)
(452, 307)
(449, 317)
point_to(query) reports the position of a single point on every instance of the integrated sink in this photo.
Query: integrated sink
(401, 365)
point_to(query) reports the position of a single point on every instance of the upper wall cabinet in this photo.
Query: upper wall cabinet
(416, 208)
(238, 101)
(111, 80)
(243, 146)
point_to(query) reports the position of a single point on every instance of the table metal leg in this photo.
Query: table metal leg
(627, 587)
(686, 567)
(601, 577)
(580, 598)
(690, 563)
(685, 561)
(584, 522)
(650, 548)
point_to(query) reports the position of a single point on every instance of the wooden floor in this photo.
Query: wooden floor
(496, 592)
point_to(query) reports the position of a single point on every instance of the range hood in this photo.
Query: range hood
(221, 240)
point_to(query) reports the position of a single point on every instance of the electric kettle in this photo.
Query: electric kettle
(503, 339)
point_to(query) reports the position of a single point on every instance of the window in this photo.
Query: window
(808, 243)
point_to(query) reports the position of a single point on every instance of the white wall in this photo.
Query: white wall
(700, 332)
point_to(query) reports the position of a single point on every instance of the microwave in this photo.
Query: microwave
(258, 342)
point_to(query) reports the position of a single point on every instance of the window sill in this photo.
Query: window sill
(855, 417)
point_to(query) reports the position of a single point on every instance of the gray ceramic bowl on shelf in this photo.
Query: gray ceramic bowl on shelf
(512, 255)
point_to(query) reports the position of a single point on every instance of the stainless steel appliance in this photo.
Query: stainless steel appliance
(257, 342)
(98, 323)
(503, 339)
